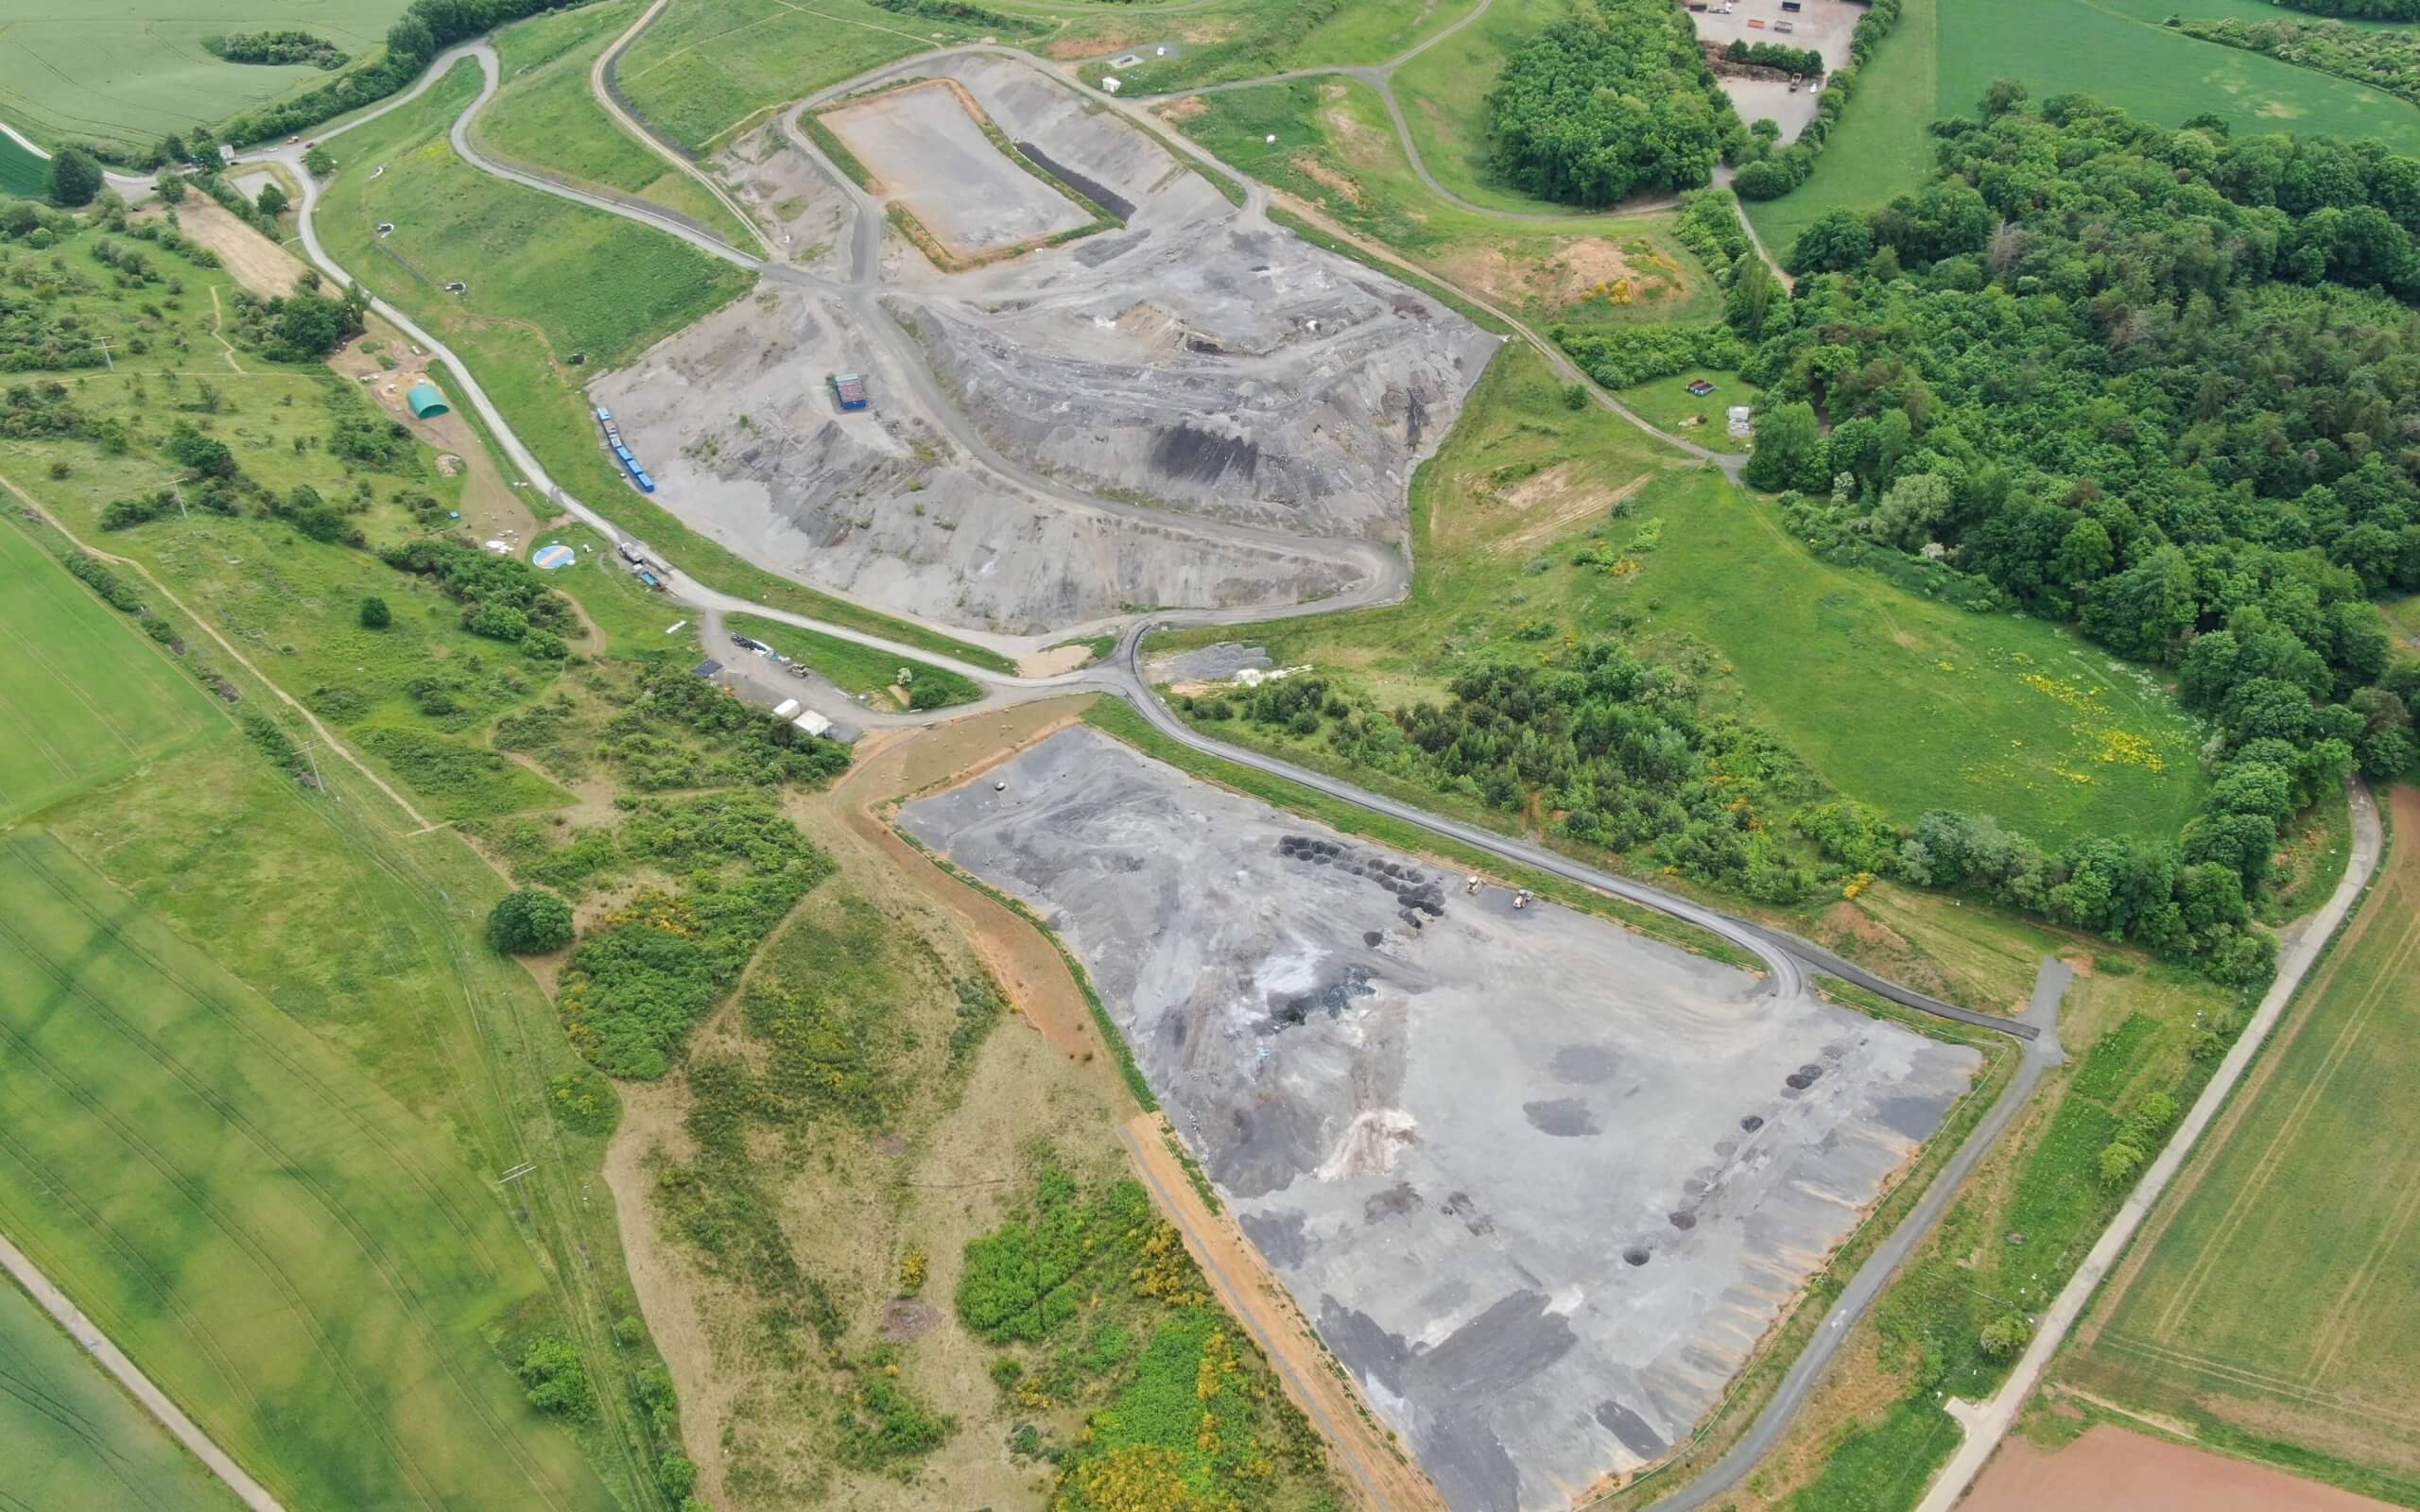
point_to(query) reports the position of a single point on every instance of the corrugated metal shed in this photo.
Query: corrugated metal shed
(427, 401)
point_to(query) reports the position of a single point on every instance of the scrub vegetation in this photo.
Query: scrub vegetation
(1338, 152)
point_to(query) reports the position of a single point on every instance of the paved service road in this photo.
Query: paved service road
(1987, 1422)
(138, 1385)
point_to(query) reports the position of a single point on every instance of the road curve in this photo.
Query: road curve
(138, 1385)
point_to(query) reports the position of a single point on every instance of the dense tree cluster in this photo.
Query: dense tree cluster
(74, 178)
(2359, 9)
(1613, 751)
(1611, 100)
(1804, 62)
(275, 47)
(1619, 357)
(529, 922)
(1768, 171)
(2366, 54)
(2154, 382)
(502, 597)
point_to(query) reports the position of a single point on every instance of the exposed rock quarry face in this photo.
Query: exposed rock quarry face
(1205, 375)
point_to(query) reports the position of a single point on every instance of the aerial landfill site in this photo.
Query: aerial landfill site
(1542, 1184)
(1176, 406)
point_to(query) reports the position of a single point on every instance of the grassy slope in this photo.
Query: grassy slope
(131, 71)
(1940, 64)
(1444, 94)
(2271, 1300)
(609, 287)
(1247, 38)
(1894, 698)
(87, 702)
(703, 69)
(76, 1441)
(544, 116)
(279, 1244)
(1337, 150)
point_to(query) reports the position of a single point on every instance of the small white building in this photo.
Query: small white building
(1740, 421)
(786, 708)
(813, 723)
(1110, 84)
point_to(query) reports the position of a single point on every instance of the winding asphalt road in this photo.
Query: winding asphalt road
(1122, 676)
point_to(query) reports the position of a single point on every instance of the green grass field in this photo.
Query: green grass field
(1444, 94)
(1667, 404)
(2116, 50)
(87, 701)
(1879, 148)
(1338, 151)
(544, 116)
(277, 1242)
(612, 288)
(78, 1443)
(1894, 698)
(585, 281)
(2272, 1301)
(1247, 38)
(706, 69)
(21, 172)
(130, 74)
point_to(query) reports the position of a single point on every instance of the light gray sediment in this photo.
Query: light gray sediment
(1542, 1184)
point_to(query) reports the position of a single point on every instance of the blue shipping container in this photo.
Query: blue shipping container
(604, 414)
(622, 452)
(647, 485)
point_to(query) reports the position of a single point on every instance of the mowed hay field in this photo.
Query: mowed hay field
(78, 1443)
(83, 701)
(128, 72)
(274, 1240)
(2273, 1303)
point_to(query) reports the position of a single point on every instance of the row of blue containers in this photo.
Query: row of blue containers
(622, 453)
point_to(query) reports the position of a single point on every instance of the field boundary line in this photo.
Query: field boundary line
(2249, 1379)
(138, 1385)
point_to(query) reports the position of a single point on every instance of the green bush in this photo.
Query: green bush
(530, 921)
(376, 615)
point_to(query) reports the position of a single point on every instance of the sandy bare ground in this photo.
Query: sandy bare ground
(257, 263)
(491, 508)
(1037, 982)
(2111, 1467)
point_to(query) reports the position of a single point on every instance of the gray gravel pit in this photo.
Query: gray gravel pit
(1414, 1163)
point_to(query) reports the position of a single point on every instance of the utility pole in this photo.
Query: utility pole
(181, 512)
(105, 355)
